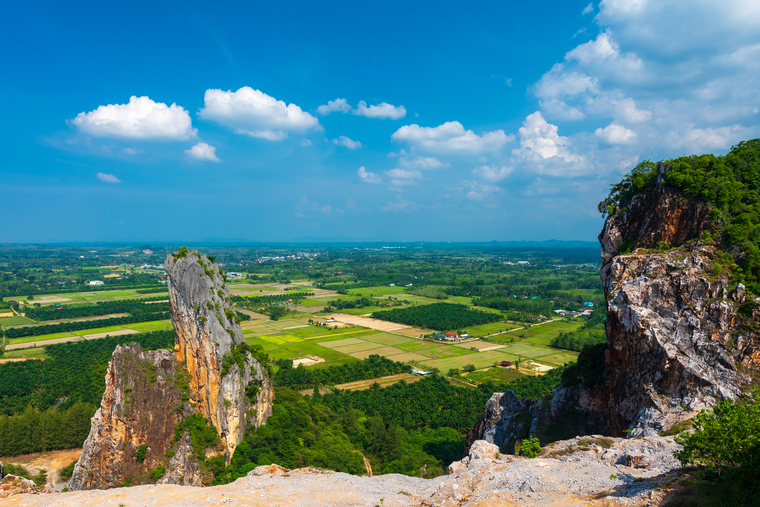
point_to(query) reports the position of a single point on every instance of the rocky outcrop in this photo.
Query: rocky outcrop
(590, 471)
(678, 338)
(211, 371)
(208, 337)
(141, 405)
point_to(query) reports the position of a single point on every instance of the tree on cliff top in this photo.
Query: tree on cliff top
(728, 184)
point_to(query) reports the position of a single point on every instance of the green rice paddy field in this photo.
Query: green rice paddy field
(292, 338)
(14, 321)
(541, 334)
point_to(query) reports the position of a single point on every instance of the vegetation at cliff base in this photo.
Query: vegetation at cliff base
(725, 444)
(415, 429)
(592, 332)
(74, 372)
(728, 184)
(303, 378)
(47, 405)
(34, 430)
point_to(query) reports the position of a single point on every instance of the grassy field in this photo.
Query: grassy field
(284, 346)
(36, 352)
(490, 328)
(462, 300)
(554, 357)
(543, 334)
(496, 375)
(287, 339)
(143, 327)
(254, 329)
(377, 291)
(14, 321)
(84, 297)
(479, 359)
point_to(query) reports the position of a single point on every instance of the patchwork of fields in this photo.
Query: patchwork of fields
(356, 338)
(293, 338)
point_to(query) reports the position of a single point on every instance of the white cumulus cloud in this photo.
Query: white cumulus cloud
(333, 106)
(348, 143)
(203, 151)
(403, 177)
(141, 118)
(108, 178)
(367, 177)
(545, 151)
(493, 172)
(254, 113)
(690, 86)
(614, 133)
(382, 111)
(451, 137)
(269, 135)
(422, 163)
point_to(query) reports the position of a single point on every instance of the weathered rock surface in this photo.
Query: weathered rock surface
(211, 372)
(676, 340)
(206, 331)
(140, 406)
(589, 471)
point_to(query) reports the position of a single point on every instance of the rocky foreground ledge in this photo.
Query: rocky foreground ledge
(590, 471)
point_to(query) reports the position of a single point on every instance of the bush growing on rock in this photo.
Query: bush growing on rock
(157, 472)
(728, 437)
(142, 451)
(529, 448)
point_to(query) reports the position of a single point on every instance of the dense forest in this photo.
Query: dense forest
(415, 429)
(303, 378)
(73, 372)
(35, 430)
(438, 316)
(506, 304)
(131, 306)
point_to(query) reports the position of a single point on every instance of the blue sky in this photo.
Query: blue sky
(389, 121)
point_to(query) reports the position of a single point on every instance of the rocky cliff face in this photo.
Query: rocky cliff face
(141, 405)
(211, 371)
(677, 340)
(677, 331)
(207, 337)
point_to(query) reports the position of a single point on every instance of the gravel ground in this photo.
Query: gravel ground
(588, 471)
